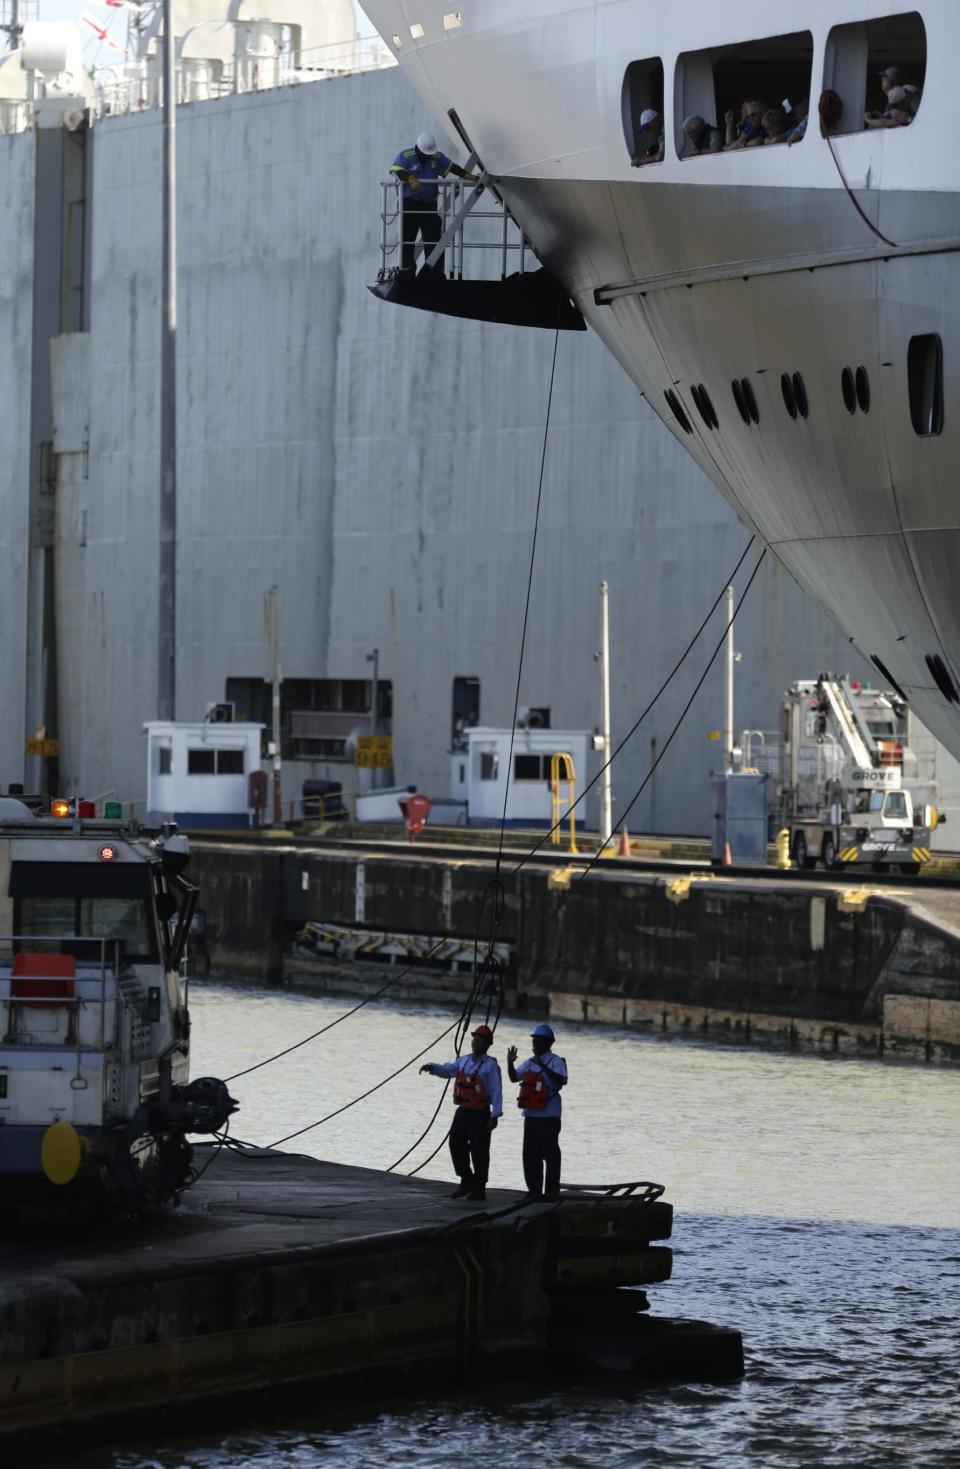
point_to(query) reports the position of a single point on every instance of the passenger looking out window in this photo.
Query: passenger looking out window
(649, 139)
(700, 136)
(799, 112)
(775, 125)
(901, 108)
(747, 130)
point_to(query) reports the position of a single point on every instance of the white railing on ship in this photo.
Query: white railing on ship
(138, 87)
(499, 234)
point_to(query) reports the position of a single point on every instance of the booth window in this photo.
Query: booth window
(721, 80)
(858, 56)
(642, 95)
(489, 765)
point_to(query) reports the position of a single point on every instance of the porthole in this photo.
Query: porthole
(749, 399)
(800, 395)
(848, 390)
(941, 678)
(786, 388)
(885, 673)
(862, 384)
(737, 391)
(676, 408)
(704, 404)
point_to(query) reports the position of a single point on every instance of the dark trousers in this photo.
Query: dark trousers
(541, 1149)
(470, 1145)
(419, 220)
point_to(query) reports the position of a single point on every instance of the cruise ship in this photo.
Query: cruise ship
(790, 311)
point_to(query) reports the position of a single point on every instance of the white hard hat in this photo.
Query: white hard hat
(427, 144)
(647, 116)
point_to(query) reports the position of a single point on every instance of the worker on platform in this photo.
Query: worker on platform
(418, 169)
(541, 1079)
(478, 1098)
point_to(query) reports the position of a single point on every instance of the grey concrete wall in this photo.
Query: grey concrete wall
(381, 466)
(16, 313)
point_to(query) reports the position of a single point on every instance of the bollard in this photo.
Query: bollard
(783, 847)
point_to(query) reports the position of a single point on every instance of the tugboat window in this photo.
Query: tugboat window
(877, 68)
(642, 111)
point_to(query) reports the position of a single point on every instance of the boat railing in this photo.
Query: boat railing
(476, 226)
(41, 974)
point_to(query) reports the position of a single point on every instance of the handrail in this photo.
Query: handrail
(457, 214)
(75, 1001)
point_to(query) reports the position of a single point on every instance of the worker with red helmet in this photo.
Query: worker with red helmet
(478, 1098)
(541, 1079)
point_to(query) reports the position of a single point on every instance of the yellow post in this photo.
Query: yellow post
(783, 847)
(561, 768)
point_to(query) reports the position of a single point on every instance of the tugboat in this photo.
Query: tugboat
(95, 1097)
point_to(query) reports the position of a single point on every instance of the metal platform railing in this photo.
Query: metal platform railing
(488, 235)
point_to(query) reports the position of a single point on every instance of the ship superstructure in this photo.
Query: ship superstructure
(788, 311)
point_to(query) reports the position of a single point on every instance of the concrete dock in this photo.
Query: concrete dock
(865, 965)
(280, 1269)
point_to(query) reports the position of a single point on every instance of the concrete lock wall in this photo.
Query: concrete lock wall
(379, 465)
(16, 321)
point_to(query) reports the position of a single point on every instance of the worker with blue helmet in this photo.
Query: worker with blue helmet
(541, 1079)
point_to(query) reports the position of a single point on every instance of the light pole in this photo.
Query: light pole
(273, 626)
(167, 599)
(374, 658)
(728, 726)
(606, 795)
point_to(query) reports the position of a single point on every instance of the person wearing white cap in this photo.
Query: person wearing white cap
(418, 169)
(649, 138)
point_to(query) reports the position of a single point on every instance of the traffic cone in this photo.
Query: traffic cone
(727, 859)
(624, 848)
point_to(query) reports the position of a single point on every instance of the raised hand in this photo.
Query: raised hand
(511, 1055)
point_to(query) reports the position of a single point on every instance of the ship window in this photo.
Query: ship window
(676, 409)
(925, 382)
(749, 399)
(856, 58)
(789, 400)
(941, 678)
(704, 404)
(862, 384)
(713, 83)
(800, 395)
(737, 391)
(885, 673)
(848, 390)
(642, 94)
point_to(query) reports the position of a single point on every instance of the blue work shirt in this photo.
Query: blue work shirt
(554, 1106)
(424, 169)
(485, 1067)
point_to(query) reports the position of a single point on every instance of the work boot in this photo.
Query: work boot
(463, 1191)
(477, 1194)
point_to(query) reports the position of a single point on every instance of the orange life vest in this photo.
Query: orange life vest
(470, 1092)
(534, 1091)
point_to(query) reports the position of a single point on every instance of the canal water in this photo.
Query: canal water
(817, 1209)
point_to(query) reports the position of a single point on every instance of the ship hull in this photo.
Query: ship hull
(798, 272)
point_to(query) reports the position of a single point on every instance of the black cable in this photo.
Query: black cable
(640, 718)
(683, 714)
(345, 1016)
(221, 1138)
(368, 1093)
(526, 605)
